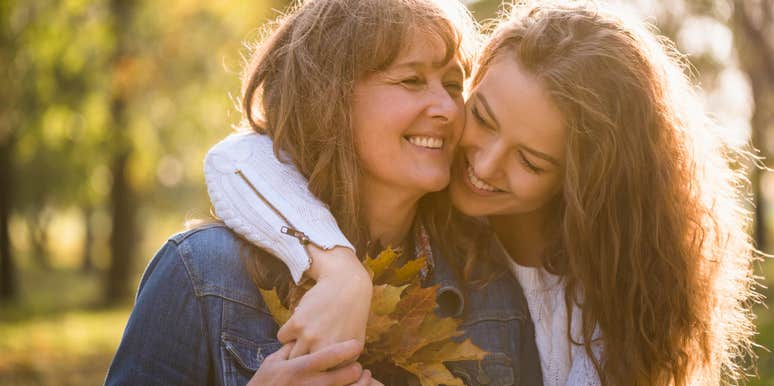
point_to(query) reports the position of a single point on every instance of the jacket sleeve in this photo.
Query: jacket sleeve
(165, 340)
(257, 195)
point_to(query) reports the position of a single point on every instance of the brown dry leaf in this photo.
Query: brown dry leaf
(401, 340)
(378, 325)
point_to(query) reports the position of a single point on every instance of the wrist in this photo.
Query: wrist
(336, 262)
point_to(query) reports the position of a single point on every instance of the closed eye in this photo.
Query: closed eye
(454, 88)
(534, 169)
(412, 82)
(480, 119)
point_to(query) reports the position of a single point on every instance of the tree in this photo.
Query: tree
(122, 201)
(753, 25)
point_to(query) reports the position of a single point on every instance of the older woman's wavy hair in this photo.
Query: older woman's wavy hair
(650, 229)
(298, 85)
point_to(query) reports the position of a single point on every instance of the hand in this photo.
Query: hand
(334, 310)
(322, 368)
(367, 380)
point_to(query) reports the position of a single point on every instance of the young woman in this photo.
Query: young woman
(612, 193)
(354, 93)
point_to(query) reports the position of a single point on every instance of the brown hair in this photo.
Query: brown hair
(298, 85)
(650, 232)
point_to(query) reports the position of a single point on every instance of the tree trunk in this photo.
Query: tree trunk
(122, 236)
(122, 202)
(756, 56)
(7, 269)
(87, 263)
(37, 225)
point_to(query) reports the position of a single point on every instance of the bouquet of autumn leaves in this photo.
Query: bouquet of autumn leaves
(402, 328)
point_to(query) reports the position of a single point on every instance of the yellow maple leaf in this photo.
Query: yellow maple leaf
(449, 351)
(278, 311)
(385, 298)
(408, 273)
(378, 266)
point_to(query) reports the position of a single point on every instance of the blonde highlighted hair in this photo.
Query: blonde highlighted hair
(650, 230)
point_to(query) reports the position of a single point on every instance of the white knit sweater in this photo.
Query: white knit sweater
(243, 210)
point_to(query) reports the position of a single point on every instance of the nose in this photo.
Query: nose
(488, 163)
(486, 153)
(443, 106)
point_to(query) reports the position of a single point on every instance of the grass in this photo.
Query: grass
(55, 335)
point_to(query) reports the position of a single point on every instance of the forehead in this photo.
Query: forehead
(523, 107)
(426, 49)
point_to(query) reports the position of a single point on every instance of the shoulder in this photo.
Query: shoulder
(213, 258)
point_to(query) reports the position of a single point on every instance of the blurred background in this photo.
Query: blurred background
(107, 108)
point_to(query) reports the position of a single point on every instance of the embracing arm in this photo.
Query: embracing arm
(258, 196)
(267, 201)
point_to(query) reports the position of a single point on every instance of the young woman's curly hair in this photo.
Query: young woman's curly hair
(650, 231)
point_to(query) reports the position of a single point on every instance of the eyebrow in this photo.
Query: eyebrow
(434, 65)
(528, 149)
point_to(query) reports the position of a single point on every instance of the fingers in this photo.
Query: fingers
(288, 332)
(365, 379)
(374, 382)
(299, 348)
(332, 356)
(345, 375)
(281, 354)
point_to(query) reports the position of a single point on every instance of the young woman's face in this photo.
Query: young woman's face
(408, 119)
(512, 150)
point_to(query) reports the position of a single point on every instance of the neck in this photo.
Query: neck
(389, 213)
(523, 236)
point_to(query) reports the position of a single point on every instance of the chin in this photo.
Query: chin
(434, 183)
(463, 201)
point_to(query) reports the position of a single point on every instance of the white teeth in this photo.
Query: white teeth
(428, 142)
(477, 182)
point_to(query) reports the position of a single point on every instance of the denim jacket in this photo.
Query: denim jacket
(198, 319)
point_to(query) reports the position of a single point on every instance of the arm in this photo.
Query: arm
(257, 195)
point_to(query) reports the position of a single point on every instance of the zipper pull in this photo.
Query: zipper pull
(301, 236)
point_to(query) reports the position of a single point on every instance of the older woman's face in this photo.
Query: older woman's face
(408, 118)
(511, 156)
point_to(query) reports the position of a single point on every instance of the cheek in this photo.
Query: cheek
(535, 191)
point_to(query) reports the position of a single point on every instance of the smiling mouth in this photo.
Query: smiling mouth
(425, 141)
(479, 183)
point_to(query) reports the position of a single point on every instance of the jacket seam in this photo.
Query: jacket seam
(206, 289)
(206, 326)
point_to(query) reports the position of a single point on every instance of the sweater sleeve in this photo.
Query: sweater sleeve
(267, 201)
